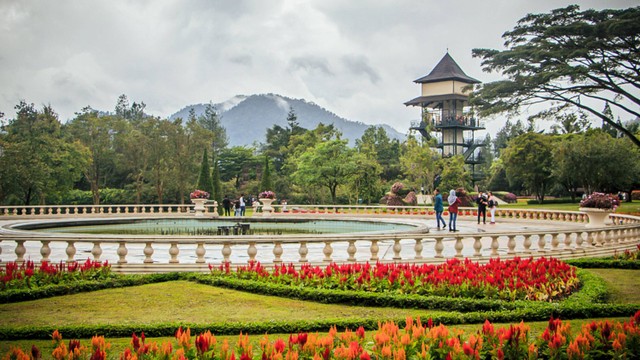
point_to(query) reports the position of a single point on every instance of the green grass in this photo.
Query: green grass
(181, 302)
(625, 207)
(624, 285)
(188, 302)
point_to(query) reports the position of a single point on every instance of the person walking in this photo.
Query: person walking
(482, 207)
(454, 202)
(226, 204)
(439, 209)
(493, 203)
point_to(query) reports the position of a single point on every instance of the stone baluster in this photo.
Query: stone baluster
(303, 251)
(458, 247)
(148, 252)
(511, 245)
(122, 252)
(351, 250)
(20, 251)
(477, 246)
(226, 252)
(579, 241)
(397, 248)
(374, 248)
(418, 248)
(494, 245)
(527, 243)
(71, 251)
(200, 252)
(592, 239)
(96, 251)
(45, 250)
(542, 243)
(567, 241)
(439, 247)
(174, 251)
(277, 252)
(554, 242)
(327, 251)
(252, 251)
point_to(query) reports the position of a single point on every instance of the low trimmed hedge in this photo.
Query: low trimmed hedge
(604, 263)
(586, 303)
(285, 327)
(16, 295)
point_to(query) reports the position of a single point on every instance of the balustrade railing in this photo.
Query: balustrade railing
(177, 253)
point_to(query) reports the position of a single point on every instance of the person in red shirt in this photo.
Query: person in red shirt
(454, 202)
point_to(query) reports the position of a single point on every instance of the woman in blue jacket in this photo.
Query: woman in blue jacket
(439, 209)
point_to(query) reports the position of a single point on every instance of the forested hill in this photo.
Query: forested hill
(247, 118)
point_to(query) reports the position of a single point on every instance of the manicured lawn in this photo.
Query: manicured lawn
(181, 302)
(624, 284)
(625, 207)
(187, 302)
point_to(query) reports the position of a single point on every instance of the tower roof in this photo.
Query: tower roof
(447, 69)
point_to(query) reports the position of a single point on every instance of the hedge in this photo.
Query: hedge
(284, 327)
(16, 295)
(604, 263)
(585, 303)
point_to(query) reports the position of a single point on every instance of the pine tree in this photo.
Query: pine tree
(204, 181)
(265, 182)
(217, 186)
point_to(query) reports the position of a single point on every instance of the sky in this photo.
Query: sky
(355, 58)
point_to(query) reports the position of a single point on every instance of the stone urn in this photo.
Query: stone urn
(199, 208)
(267, 209)
(597, 217)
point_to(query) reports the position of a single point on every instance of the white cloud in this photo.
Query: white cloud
(356, 58)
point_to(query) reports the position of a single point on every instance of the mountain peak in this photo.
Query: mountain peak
(247, 117)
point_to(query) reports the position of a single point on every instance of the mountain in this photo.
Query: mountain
(247, 118)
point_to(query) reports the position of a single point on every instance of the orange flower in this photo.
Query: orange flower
(16, 354)
(60, 352)
(56, 336)
(166, 349)
(386, 352)
(400, 354)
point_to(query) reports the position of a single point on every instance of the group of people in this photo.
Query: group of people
(239, 205)
(485, 200)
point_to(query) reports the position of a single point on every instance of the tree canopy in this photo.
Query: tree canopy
(571, 59)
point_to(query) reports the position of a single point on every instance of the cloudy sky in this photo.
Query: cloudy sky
(356, 58)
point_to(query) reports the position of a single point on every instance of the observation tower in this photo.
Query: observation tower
(446, 112)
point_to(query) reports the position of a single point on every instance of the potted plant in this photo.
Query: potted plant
(598, 206)
(266, 198)
(199, 197)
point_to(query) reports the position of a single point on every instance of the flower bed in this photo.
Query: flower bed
(28, 275)
(517, 279)
(598, 339)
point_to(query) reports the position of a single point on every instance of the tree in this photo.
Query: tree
(236, 163)
(571, 124)
(387, 151)
(583, 60)
(96, 133)
(597, 162)
(509, 131)
(529, 160)
(453, 173)
(418, 163)
(204, 180)
(265, 180)
(215, 179)
(365, 183)
(211, 121)
(39, 161)
(329, 164)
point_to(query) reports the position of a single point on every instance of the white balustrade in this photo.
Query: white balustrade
(425, 247)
